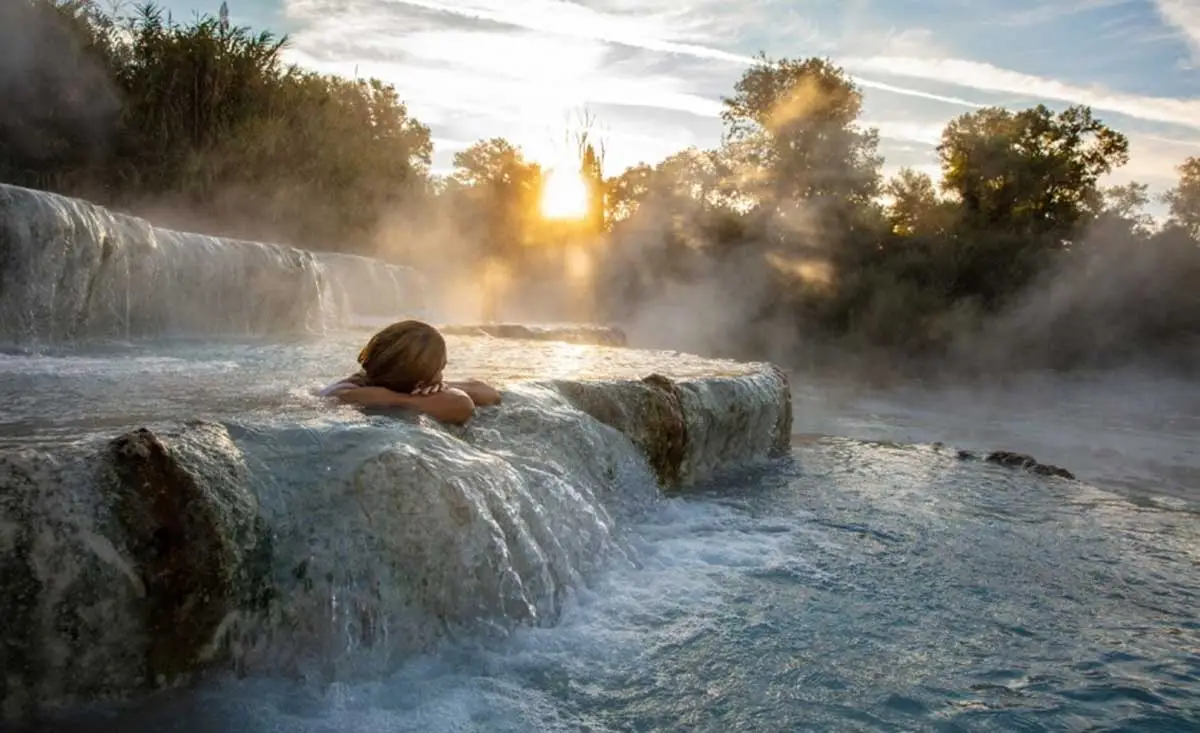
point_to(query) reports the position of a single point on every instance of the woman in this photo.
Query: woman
(402, 367)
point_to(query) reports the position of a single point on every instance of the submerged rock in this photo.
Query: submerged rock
(649, 412)
(357, 288)
(1020, 460)
(1008, 459)
(122, 567)
(734, 421)
(70, 268)
(138, 563)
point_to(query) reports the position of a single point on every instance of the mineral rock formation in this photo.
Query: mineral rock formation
(141, 562)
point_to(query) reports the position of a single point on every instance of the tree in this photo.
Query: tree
(792, 134)
(209, 124)
(1032, 171)
(624, 193)
(492, 162)
(686, 182)
(1125, 206)
(500, 188)
(591, 171)
(1027, 183)
(1184, 199)
(60, 105)
(203, 125)
(915, 206)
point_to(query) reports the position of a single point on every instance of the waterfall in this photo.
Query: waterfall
(70, 270)
(364, 291)
(391, 540)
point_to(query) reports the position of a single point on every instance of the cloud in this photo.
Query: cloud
(471, 79)
(1184, 15)
(481, 68)
(907, 92)
(989, 78)
(655, 70)
(933, 170)
(654, 32)
(448, 65)
(449, 144)
(927, 134)
(1043, 13)
(1153, 159)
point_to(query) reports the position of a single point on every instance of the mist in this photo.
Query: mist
(58, 108)
(1115, 301)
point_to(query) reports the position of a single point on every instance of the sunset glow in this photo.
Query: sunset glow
(564, 196)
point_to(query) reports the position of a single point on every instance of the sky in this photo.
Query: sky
(651, 73)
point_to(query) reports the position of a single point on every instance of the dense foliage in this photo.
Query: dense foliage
(200, 121)
(785, 236)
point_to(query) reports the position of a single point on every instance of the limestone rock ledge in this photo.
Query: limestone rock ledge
(691, 429)
(141, 563)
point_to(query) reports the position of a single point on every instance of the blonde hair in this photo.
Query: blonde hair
(402, 356)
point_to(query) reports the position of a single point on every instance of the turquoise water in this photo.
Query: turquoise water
(868, 582)
(855, 586)
(1133, 432)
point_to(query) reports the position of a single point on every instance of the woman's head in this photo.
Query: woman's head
(403, 356)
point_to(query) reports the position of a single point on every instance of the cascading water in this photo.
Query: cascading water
(362, 291)
(353, 543)
(396, 537)
(73, 270)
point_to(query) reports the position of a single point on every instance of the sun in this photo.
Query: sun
(564, 196)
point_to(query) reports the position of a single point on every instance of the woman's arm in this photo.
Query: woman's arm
(453, 406)
(481, 394)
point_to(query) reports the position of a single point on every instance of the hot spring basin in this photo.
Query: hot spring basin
(173, 508)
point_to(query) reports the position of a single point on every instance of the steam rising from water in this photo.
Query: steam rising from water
(47, 77)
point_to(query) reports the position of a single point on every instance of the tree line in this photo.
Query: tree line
(201, 120)
(785, 235)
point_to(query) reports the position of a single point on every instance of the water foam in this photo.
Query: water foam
(390, 538)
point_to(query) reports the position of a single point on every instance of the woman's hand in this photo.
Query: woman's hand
(424, 390)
